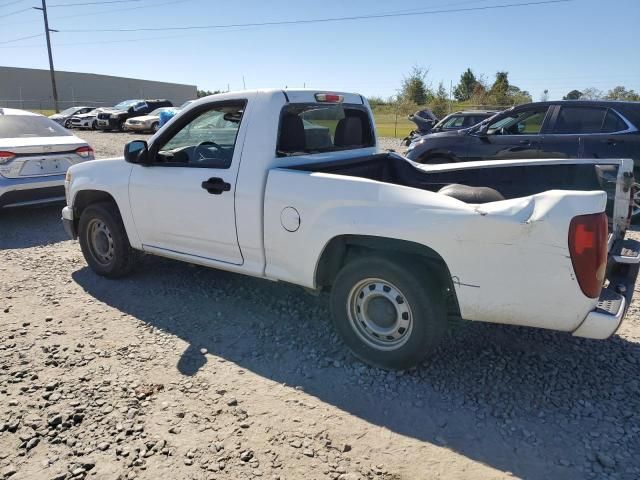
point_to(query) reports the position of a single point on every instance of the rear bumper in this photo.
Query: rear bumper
(17, 192)
(605, 319)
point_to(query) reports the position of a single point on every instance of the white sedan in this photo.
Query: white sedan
(35, 153)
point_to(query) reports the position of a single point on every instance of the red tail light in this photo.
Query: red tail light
(5, 157)
(329, 98)
(588, 249)
(85, 152)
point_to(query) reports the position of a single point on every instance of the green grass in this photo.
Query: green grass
(387, 126)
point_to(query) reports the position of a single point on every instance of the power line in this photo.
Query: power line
(15, 12)
(83, 4)
(10, 3)
(21, 38)
(112, 10)
(318, 20)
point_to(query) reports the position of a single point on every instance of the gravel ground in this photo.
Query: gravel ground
(191, 373)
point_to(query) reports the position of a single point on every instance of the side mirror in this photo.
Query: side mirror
(136, 152)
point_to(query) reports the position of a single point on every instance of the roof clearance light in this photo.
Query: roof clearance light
(329, 98)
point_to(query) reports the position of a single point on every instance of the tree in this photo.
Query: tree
(591, 93)
(517, 96)
(573, 95)
(440, 101)
(545, 96)
(466, 86)
(621, 93)
(500, 88)
(414, 87)
(206, 93)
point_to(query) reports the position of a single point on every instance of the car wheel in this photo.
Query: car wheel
(387, 312)
(67, 124)
(94, 125)
(155, 127)
(104, 241)
(121, 127)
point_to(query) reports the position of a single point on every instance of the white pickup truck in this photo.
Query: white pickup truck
(289, 185)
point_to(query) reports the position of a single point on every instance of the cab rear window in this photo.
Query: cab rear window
(316, 127)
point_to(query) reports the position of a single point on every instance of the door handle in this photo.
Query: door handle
(216, 186)
(525, 142)
(611, 141)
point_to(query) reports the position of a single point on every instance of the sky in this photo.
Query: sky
(558, 47)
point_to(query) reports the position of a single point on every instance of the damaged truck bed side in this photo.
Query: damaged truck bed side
(289, 185)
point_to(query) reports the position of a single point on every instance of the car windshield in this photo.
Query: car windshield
(69, 111)
(158, 111)
(186, 104)
(28, 126)
(126, 104)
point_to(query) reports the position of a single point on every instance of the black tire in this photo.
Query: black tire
(94, 125)
(416, 292)
(67, 124)
(155, 127)
(104, 241)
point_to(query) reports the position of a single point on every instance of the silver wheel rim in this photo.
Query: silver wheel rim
(635, 208)
(379, 314)
(100, 241)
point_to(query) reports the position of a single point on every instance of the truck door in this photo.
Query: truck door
(183, 200)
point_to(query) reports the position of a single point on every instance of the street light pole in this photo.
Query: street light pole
(51, 69)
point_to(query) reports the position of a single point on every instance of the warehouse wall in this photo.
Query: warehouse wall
(31, 89)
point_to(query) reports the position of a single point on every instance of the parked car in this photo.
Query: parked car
(556, 129)
(562, 129)
(87, 120)
(35, 153)
(169, 114)
(403, 248)
(115, 118)
(460, 120)
(147, 123)
(424, 120)
(64, 117)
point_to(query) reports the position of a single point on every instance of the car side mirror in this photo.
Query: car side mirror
(137, 152)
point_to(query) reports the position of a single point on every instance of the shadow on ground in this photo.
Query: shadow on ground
(28, 227)
(532, 402)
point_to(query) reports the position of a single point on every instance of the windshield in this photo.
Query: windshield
(126, 104)
(29, 126)
(158, 111)
(69, 111)
(186, 104)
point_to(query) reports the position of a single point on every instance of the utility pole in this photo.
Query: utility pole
(51, 69)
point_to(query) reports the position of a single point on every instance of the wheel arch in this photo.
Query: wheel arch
(84, 198)
(339, 250)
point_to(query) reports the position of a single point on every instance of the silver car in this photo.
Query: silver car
(64, 117)
(35, 153)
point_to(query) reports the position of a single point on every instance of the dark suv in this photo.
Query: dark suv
(563, 129)
(114, 118)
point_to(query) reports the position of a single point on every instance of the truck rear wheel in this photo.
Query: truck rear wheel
(388, 312)
(104, 241)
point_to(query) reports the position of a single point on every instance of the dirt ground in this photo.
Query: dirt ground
(182, 372)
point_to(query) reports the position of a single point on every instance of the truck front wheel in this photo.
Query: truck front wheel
(389, 313)
(104, 241)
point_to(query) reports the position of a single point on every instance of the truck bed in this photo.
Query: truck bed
(511, 182)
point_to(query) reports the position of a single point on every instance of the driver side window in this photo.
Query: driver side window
(208, 140)
(528, 122)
